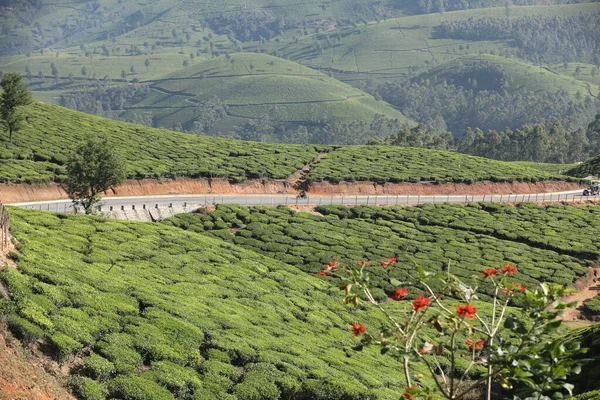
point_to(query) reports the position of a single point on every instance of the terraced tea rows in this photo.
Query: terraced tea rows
(435, 237)
(156, 312)
(43, 146)
(403, 164)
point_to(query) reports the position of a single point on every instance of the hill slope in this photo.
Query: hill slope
(43, 146)
(251, 86)
(155, 312)
(518, 76)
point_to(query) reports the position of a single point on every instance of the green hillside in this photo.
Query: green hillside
(251, 85)
(109, 44)
(156, 312)
(520, 76)
(430, 236)
(404, 164)
(41, 149)
(61, 22)
(386, 49)
(590, 167)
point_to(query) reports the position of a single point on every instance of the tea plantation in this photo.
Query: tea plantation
(41, 149)
(590, 167)
(404, 164)
(160, 313)
(44, 145)
(546, 244)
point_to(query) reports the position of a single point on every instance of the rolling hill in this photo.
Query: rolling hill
(519, 77)
(251, 86)
(385, 50)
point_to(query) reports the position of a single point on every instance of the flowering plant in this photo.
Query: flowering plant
(441, 330)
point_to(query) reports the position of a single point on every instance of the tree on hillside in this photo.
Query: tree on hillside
(14, 96)
(93, 168)
(147, 64)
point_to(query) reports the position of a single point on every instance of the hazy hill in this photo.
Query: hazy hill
(251, 86)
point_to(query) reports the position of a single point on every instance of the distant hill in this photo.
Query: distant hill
(495, 73)
(252, 86)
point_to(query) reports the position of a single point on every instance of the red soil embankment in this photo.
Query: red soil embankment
(22, 376)
(479, 188)
(51, 191)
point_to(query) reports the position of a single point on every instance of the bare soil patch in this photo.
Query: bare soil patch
(51, 191)
(587, 288)
(22, 375)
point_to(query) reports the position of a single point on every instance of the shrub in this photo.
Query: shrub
(88, 389)
(64, 345)
(23, 329)
(98, 367)
(137, 388)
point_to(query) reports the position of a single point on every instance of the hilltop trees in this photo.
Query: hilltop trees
(93, 168)
(14, 96)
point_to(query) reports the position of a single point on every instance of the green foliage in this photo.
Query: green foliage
(592, 306)
(88, 389)
(98, 367)
(194, 317)
(53, 133)
(547, 243)
(137, 388)
(12, 100)
(93, 168)
(403, 164)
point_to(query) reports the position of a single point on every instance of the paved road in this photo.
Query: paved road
(274, 200)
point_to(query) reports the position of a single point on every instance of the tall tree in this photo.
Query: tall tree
(12, 100)
(93, 168)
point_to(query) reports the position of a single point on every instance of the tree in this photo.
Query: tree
(93, 168)
(14, 96)
(185, 64)
(147, 64)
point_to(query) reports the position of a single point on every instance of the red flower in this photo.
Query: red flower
(400, 293)
(357, 329)
(331, 265)
(361, 263)
(410, 391)
(489, 272)
(389, 261)
(508, 269)
(420, 302)
(477, 345)
(323, 273)
(467, 311)
(514, 287)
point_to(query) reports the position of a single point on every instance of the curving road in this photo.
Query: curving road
(274, 200)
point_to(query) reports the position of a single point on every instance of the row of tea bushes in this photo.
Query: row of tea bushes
(156, 312)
